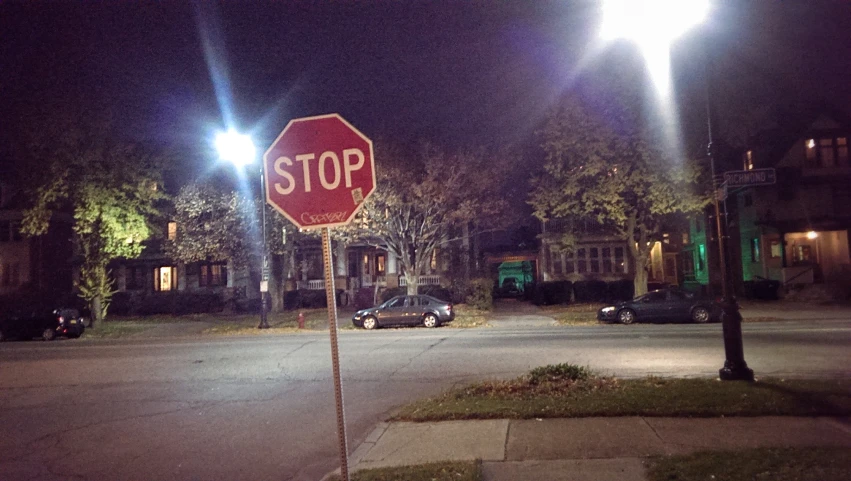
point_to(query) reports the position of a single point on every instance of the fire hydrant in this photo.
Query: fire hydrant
(301, 320)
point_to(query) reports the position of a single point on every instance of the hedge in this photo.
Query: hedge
(590, 291)
(552, 292)
(622, 290)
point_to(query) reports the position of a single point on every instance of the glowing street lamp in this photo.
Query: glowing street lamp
(653, 25)
(238, 149)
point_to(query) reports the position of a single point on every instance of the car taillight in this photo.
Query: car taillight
(450, 307)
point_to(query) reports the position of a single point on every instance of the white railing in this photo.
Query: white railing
(313, 285)
(423, 281)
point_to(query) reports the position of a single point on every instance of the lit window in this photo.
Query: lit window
(380, 262)
(701, 257)
(666, 238)
(811, 150)
(749, 160)
(755, 249)
(685, 238)
(172, 230)
(165, 279)
(776, 249)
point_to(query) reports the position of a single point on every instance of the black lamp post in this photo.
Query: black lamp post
(238, 149)
(653, 25)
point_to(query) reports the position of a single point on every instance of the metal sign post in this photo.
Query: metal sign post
(319, 172)
(335, 354)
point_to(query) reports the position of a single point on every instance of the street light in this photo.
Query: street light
(653, 25)
(239, 150)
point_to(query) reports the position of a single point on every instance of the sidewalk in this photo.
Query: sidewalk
(793, 310)
(584, 449)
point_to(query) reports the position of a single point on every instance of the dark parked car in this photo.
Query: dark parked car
(663, 305)
(46, 323)
(405, 310)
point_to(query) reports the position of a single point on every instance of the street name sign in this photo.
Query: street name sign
(319, 171)
(748, 178)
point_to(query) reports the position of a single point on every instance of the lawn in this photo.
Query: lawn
(786, 464)
(448, 471)
(570, 391)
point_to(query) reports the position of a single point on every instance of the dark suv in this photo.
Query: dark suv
(44, 322)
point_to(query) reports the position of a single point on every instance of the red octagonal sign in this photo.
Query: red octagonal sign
(319, 171)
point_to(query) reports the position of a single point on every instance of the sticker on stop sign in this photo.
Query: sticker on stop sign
(319, 171)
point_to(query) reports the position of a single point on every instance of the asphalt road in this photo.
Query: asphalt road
(262, 408)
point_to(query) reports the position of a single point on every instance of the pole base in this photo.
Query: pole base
(736, 373)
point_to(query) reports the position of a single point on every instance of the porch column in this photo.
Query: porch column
(392, 275)
(340, 279)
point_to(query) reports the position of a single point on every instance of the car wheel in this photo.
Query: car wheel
(430, 320)
(370, 323)
(700, 315)
(49, 334)
(626, 316)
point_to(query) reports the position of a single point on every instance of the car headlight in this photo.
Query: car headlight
(609, 309)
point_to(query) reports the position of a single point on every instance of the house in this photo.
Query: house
(795, 231)
(600, 255)
(40, 263)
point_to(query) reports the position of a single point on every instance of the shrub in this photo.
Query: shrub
(481, 294)
(622, 290)
(552, 292)
(438, 292)
(309, 299)
(364, 298)
(180, 303)
(590, 291)
(764, 289)
(292, 300)
(558, 372)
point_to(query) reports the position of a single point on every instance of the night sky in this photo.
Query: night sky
(457, 73)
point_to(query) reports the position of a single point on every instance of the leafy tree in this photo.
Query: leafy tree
(606, 164)
(110, 187)
(213, 225)
(218, 225)
(423, 199)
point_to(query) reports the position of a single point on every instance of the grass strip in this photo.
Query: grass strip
(565, 392)
(447, 471)
(466, 317)
(783, 464)
(573, 314)
(116, 330)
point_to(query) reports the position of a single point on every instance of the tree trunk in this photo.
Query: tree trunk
(412, 279)
(96, 309)
(640, 281)
(465, 251)
(275, 292)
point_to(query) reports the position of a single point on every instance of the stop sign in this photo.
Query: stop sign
(319, 171)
